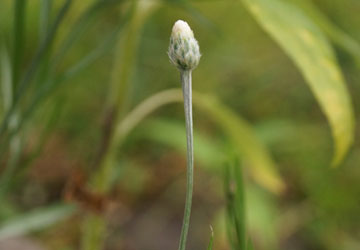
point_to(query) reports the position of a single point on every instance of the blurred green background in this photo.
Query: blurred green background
(72, 71)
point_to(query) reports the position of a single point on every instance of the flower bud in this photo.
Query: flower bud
(184, 50)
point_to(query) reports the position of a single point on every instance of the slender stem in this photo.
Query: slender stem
(186, 86)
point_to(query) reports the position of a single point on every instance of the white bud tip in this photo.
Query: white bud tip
(182, 27)
(184, 50)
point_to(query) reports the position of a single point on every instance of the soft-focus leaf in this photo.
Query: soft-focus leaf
(238, 131)
(207, 151)
(247, 144)
(307, 46)
(336, 34)
(35, 220)
(262, 216)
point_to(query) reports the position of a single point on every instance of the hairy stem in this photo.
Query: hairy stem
(186, 86)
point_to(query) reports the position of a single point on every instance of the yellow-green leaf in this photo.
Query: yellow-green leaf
(262, 167)
(307, 46)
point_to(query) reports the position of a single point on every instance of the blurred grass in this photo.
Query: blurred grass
(235, 204)
(35, 220)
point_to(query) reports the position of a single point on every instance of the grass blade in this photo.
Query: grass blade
(211, 242)
(42, 50)
(6, 79)
(35, 220)
(311, 52)
(15, 145)
(80, 27)
(44, 18)
(235, 203)
(239, 207)
(19, 38)
(24, 84)
(250, 245)
(124, 61)
(52, 84)
(44, 26)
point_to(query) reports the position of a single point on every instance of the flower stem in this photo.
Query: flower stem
(187, 93)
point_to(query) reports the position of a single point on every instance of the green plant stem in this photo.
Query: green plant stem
(187, 93)
(119, 97)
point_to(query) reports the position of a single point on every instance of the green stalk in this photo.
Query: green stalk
(94, 227)
(184, 53)
(187, 94)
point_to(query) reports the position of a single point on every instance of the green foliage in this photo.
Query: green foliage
(55, 58)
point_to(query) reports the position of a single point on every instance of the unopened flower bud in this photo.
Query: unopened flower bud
(184, 50)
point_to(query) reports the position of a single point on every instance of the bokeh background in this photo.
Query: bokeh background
(120, 47)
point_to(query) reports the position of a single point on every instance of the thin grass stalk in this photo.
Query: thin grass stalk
(239, 206)
(235, 206)
(44, 25)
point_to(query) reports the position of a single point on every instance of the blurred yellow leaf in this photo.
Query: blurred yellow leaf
(310, 50)
(335, 33)
(239, 131)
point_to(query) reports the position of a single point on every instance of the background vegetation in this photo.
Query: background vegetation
(92, 136)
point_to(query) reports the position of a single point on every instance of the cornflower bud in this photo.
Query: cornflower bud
(184, 50)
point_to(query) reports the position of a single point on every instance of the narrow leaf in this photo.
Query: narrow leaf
(19, 38)
(6, 81)
(211, 242)
(238, 130)
(26, 80)
(243, 137)
(208, 151)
